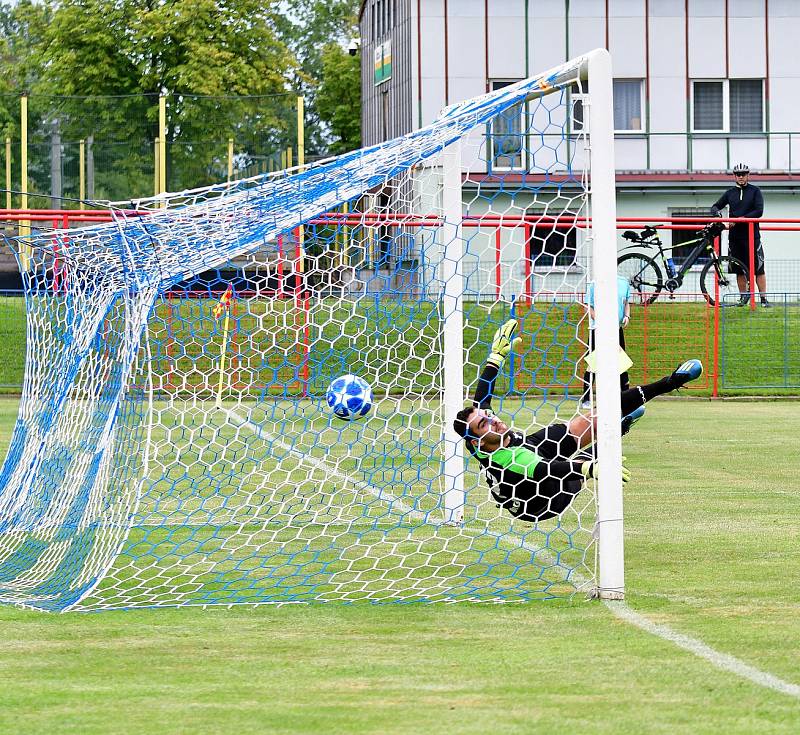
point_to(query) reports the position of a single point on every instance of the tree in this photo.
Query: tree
(308, 29)
(22, 28)
(200, 52)
(231, 69)
(338, 97)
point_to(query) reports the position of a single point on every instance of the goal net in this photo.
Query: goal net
(174, 446)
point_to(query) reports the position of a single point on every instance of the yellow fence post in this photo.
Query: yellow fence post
(156, 167)
(82, 173)
(301, 139)
(230, 159)
(301, 162)
(8, 173)
(345, 236)
(24, 225)
(162, 145)
(289, 157)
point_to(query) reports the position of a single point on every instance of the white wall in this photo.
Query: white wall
(742, 53)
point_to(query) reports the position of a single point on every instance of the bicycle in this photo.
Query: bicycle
(646, 277)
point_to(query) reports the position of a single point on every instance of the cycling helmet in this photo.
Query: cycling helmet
(741, 168)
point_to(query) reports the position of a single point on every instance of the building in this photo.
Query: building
(698, 86)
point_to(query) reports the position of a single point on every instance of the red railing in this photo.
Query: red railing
(65, 219)
(62, 219)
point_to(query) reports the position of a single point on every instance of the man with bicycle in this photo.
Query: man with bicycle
(744, 200)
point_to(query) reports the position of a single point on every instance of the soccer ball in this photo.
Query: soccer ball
(350, 397)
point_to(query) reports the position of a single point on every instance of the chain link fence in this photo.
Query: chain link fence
(758, 350)
(106, 148)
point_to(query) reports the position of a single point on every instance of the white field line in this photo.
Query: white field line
(621, 610)
(723, 661)
(329, 468)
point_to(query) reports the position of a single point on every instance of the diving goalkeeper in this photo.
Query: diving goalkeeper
(536, 476)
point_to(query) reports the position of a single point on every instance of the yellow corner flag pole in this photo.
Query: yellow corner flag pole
(224, 305)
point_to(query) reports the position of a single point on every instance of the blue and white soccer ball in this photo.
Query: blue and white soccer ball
(350, 397)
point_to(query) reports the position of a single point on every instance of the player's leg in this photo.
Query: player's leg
(586, 398)
(582, 428)
(629, 420)
(635, 397)
(624, 379)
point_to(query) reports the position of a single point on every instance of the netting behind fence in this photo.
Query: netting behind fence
(106, 148)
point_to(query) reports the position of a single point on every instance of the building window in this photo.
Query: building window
(747, 105)
(384, 14)
(551, 245)
(627, 104)
(708, 106)
(679, 237)
(728, 105)
(506, 137)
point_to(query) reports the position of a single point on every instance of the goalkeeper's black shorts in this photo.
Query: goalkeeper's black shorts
(532, 501)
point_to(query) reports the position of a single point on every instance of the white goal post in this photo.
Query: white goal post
(611, 572)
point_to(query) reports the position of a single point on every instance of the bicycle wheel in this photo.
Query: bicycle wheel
(643, 274)
(728, 286)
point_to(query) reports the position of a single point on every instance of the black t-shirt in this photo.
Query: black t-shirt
(742, 201)
(531, 476)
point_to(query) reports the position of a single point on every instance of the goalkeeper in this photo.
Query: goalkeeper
(536, 476)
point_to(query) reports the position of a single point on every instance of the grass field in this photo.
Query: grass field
(712, 552)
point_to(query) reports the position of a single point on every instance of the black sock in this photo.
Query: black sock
(633, 398)
(630, 400)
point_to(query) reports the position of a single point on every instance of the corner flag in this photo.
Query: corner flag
(224, 302)
(223, 307)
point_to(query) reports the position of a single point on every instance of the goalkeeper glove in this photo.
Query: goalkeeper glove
(589, 469)
(503, 342)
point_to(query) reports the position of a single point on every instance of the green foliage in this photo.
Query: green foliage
(309, 28)
(23, 27)
(94, 70)
(194, 50)
(23, 30)
(339, 97)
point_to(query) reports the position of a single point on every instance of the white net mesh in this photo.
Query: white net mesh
(171, 453)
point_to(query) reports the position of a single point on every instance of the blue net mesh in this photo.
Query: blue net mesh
(174, 445)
